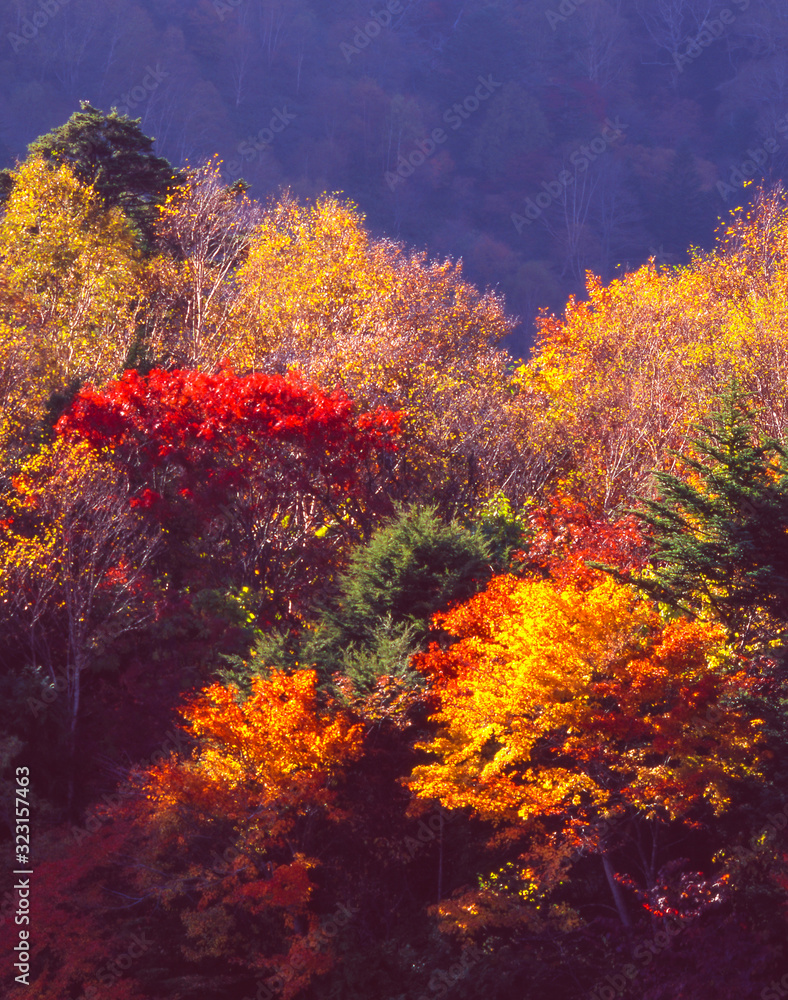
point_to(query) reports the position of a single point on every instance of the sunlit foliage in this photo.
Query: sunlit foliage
(621, 378)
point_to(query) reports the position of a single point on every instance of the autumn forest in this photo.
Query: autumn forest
(347, 654)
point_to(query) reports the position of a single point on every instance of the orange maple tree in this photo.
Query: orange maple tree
(563, 707)
(264, 785)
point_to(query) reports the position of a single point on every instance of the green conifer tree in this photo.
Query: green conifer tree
(411, 567)
(112, 152)
(721, 531)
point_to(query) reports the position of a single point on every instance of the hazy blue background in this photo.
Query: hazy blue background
(332, 96)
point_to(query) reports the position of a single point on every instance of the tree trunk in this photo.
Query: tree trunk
(615, 889)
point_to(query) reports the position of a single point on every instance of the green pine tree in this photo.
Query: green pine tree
(112, 152)
(410, 568)
(721, 532)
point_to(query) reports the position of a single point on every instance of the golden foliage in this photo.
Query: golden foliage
(69, 272)
(392, 329)
(574, 704)
(620, 379)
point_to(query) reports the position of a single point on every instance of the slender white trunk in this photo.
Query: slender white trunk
(615, 889)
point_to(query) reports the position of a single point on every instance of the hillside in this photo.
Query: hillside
(602, 133)
(347, 654)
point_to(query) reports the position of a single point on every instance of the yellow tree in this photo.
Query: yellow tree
(619, 379)
(561, 709)
(69, 272)
(392, 328)
(20, 393)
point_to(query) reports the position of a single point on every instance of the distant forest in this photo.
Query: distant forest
(535, 140)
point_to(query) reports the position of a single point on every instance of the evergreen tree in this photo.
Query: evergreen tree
(112, 152)
(411, 568)
(721, 532)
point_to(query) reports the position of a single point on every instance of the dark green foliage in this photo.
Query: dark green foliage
(6, 184)
(112, 152)
(56, 405)
(412, 567)
(386, 650)
(721, 540)
(139, 357)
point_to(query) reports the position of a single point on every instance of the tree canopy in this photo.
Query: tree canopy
(347, 656)
(111, 152)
